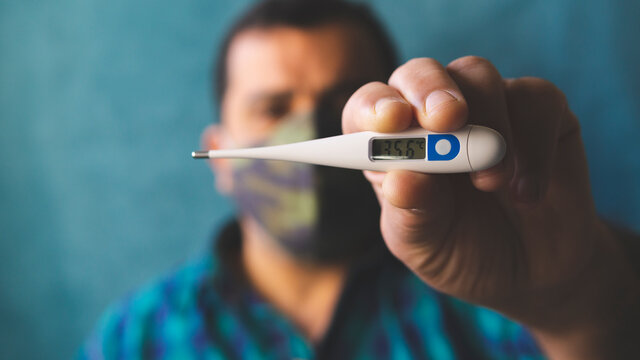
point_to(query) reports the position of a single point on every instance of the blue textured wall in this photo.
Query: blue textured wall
(101, 103)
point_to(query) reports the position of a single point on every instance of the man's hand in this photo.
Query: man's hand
(522, 237)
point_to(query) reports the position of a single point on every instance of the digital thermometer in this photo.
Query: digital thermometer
(469, 149)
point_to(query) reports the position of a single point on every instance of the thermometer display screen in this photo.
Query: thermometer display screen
(398, 149)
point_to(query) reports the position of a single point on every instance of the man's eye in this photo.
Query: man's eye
(276, 110)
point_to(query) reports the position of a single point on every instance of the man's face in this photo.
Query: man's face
(278, 71)
(282, 70)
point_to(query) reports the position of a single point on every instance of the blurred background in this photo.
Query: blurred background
(101, 103)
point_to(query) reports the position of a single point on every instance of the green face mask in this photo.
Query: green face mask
(317, 213)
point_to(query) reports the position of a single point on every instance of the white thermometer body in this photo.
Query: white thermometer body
(469, 149)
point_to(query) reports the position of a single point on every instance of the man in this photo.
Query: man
(304, 273)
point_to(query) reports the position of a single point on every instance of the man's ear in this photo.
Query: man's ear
(212, 138)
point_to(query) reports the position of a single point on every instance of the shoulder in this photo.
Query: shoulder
(161, 314)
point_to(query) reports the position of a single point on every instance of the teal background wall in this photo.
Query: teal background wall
(101, 103)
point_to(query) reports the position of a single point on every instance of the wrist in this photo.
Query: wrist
(596, 315)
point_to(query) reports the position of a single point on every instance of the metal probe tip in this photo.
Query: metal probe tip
(200, 154)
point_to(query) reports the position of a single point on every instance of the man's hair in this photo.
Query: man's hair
(306, 14)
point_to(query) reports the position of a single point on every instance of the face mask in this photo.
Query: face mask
(316, 213)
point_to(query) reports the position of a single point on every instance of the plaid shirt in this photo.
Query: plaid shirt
(205, 310)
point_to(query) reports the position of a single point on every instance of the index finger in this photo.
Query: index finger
(436, 99)
(376, 107)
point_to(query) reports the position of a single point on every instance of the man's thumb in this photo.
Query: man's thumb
(417, 212)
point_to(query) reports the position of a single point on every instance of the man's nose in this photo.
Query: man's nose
(305, 103)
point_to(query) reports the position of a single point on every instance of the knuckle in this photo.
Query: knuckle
(372, 86)
(364, 89)
(421, 61)
(573, 125)
(413, 66)
(545, 92)
(471, 62)
(545, 100)
(477, 67)
(364, 92)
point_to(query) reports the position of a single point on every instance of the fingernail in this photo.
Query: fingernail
(438, 98)
(527, 190)
(382, 103)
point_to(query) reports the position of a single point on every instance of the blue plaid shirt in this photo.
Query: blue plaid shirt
(206, 310)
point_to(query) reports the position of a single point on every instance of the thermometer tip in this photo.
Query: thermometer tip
(200, 154)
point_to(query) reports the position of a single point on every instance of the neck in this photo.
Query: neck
(305, 293)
